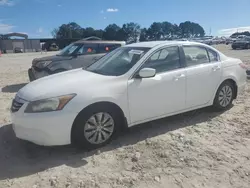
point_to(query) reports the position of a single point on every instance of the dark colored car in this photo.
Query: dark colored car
(18, 50)
(242, 43)
(76, 55)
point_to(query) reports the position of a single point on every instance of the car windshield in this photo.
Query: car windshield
(118, 62)
(69, 50)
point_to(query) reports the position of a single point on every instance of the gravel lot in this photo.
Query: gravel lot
(196, 149)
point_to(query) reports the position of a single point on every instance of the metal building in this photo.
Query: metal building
(26, 45)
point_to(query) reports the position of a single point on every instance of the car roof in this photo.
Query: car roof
(99, 42)
(153, 44)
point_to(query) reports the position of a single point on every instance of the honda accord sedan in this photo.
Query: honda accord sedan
(133, 84)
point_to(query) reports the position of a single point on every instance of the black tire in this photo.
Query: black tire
(217, 100)
(248, 46)
(78, 137)
(234, 48)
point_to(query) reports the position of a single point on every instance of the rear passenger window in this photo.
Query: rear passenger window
(88, 49)
(213, 56)
(195, 55)
(105, 48)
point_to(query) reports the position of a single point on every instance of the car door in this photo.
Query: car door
(162, 94)
(203, 74)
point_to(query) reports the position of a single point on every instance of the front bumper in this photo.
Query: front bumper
(46, 129)
(33, 74)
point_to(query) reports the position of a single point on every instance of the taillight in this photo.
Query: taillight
(243, 65)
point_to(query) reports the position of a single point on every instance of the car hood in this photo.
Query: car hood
(64, 83)
(51, 58)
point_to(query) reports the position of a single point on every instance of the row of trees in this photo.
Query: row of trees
(131, 32)
(246, 33)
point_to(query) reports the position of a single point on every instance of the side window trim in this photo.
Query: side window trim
(208, 55)
(149, 56)
(212, 51)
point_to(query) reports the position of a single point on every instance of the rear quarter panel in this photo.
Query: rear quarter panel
(232, 70)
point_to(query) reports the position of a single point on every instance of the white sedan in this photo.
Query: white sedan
(133, 84)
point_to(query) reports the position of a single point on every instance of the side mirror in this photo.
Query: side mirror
(146, 73)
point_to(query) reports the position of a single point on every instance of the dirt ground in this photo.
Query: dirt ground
(196, 149)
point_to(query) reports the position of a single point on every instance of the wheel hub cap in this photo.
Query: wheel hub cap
(99, 128)
(225, 96)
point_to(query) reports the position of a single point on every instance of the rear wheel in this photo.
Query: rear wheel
(224, 96)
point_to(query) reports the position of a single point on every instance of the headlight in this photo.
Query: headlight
(48, 105)
(43, 64)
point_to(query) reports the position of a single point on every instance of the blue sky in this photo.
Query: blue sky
(38, 18)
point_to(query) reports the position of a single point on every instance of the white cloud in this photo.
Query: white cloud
(104, 18)
(230, 31)
(7, 2)
(5, 28)
(59, 5)
(112, 10)
(102, 11)
(40, 30)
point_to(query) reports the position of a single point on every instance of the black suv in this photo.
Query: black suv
(78, 54)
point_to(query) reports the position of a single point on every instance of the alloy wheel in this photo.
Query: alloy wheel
(99, 128)
(225, 95)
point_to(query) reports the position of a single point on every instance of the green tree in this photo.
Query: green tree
(68, 31)
(155, 31)
(131, 32)
(110, 32)
(234, 35)
(191, 29)
(167, 29)
(143, 35)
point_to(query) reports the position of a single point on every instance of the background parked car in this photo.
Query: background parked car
(53, 47)
(18, 50)
(78, 54)
(241, 43)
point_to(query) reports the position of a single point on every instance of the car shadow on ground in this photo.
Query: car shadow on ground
(13, 88)
(19, 158)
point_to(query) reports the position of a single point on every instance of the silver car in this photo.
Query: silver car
(76, 55)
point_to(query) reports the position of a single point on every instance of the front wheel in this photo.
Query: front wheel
(224, 96)
(95, 127)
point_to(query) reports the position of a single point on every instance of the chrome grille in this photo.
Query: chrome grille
(17, 103)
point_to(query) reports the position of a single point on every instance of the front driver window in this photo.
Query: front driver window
(164, 60)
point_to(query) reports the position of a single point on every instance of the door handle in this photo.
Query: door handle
(176, 78)
(215, 68)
